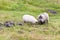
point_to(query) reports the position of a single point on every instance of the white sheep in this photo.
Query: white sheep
(43, 18)
(29, 18)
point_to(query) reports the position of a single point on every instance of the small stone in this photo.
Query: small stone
(20, 24)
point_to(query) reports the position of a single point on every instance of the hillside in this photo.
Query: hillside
(15, 9)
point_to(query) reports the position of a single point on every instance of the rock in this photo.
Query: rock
(12, 22)
(9, 23)
(51, 11)
(20, 24)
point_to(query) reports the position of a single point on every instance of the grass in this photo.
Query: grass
(15, 9)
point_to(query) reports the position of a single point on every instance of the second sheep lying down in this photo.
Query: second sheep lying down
(43, 18)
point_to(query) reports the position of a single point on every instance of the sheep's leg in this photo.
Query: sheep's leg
(46, 22)
(24, 21)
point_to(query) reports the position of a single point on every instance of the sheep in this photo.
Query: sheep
(29, 18)
(43, 18)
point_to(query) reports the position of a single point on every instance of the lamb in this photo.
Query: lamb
(29, 18)
(43, 18)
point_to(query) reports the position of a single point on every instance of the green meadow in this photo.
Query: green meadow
(15, 9)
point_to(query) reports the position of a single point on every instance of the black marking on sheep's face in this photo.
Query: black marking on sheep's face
(40, 17)
(42, 22)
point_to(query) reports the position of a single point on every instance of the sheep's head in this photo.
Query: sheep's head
(41, 19)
